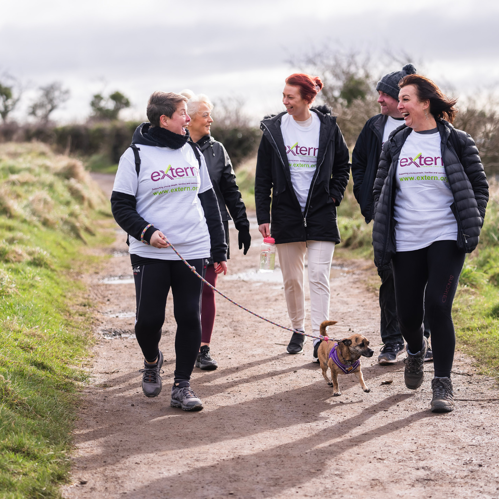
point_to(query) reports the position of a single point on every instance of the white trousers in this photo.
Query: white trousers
(292, 262)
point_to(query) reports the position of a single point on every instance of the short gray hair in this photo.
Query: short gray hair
(163, 103)
(194, 101)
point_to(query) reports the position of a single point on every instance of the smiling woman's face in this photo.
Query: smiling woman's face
(412, 109)
(201, 121)
(179, 120)
(292, 99)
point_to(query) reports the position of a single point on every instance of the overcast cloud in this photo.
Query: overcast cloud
(233, 48)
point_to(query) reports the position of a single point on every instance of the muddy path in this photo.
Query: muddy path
(271, 427)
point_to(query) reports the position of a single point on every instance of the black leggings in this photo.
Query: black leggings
(435, 269)
(152, 284)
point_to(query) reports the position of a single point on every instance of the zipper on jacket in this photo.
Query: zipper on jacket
(275, 144)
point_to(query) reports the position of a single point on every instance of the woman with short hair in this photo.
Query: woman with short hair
(230, 203)
(301, 174)
(163, 195)
(430, 197)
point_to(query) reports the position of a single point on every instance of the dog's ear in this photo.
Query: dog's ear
(346, 342)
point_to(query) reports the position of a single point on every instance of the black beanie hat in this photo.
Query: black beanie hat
(390, 82)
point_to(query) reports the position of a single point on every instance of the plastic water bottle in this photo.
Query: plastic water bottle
(267, 255)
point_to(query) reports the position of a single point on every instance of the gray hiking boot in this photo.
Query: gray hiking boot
(205, 360)
(443, 396)
(414, 370)
(151, 378)
(184, 397)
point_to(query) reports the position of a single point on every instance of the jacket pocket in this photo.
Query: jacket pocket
(461, 239)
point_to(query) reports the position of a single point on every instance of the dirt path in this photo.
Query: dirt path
(270, 427)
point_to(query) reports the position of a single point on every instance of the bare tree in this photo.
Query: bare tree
(50, 98)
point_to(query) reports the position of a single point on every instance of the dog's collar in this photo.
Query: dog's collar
(333, 355)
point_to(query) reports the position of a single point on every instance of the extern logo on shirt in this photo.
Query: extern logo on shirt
(301, 150)
(421, 160)
(172, 173)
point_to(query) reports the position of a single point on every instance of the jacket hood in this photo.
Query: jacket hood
(140, 136)
(205, 142)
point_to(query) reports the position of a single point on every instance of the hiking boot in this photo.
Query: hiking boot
(204, 360)
(316, 350)
(151, 377)
(414, 371)
(429, 355)
(184, 397)
(296, 343)
(389, 353)
(443, 396)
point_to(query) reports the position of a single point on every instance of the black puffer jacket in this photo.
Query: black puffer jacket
(223, 179)
(467, 182)
(365, 160)
(273, 184)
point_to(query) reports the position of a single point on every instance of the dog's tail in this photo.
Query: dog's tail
(325, 324)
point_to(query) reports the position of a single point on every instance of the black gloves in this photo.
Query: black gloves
(244, 240)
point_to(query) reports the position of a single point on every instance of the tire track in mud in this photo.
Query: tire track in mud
(271, 427)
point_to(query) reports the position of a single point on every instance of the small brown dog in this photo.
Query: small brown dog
(344, 358)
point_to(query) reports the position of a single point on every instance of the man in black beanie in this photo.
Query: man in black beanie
(365, 161)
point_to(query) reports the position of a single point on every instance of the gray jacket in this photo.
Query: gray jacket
(467, 182)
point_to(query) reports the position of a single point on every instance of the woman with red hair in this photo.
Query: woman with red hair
(302, 172)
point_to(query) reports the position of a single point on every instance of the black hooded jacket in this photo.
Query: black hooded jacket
(467, 182)
(124, 205)
(273, 184)
(223, 179)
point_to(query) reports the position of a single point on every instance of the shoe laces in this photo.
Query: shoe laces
(186, 392)
(414, 364)
(442, 389)
(150, 374)
(390, 348)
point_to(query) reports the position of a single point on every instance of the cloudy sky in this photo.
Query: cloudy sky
(233, 48)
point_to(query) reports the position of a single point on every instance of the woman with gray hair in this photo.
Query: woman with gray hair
(230, 203)
(163, 196)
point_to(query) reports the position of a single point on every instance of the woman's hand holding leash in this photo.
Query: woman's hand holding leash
(220, 267)
(158, 240)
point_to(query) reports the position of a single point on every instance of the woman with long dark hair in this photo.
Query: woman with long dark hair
(302, 171)
(430, 198)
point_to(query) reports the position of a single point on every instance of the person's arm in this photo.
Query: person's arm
(383, 167)
(263, 181)
(359, 163)
(341, 169)
(234, 202)
(473, 167)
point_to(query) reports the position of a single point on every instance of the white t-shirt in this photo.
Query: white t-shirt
(423, 197)
(390, 125)
(167, 196)
(302, 146)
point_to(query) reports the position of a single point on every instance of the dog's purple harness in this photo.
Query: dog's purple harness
(333, 355)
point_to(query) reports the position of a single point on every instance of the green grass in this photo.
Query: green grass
(100, 163)
(49, 211)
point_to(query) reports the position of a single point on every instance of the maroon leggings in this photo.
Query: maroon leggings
(208, 307)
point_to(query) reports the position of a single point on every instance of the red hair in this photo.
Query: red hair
(309, 86)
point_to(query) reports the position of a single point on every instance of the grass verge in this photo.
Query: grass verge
(49, 208)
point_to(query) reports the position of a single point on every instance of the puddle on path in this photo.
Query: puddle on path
(119, 315)
(112, 334)
(118, 279)
(254, 276)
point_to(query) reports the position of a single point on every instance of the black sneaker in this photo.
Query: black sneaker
(184, 397)
(389, 353)
(205, 361)
(151, 379)
(429, 355)
(316, 350)
(443, 396)
(296, 343)
(414, 370)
